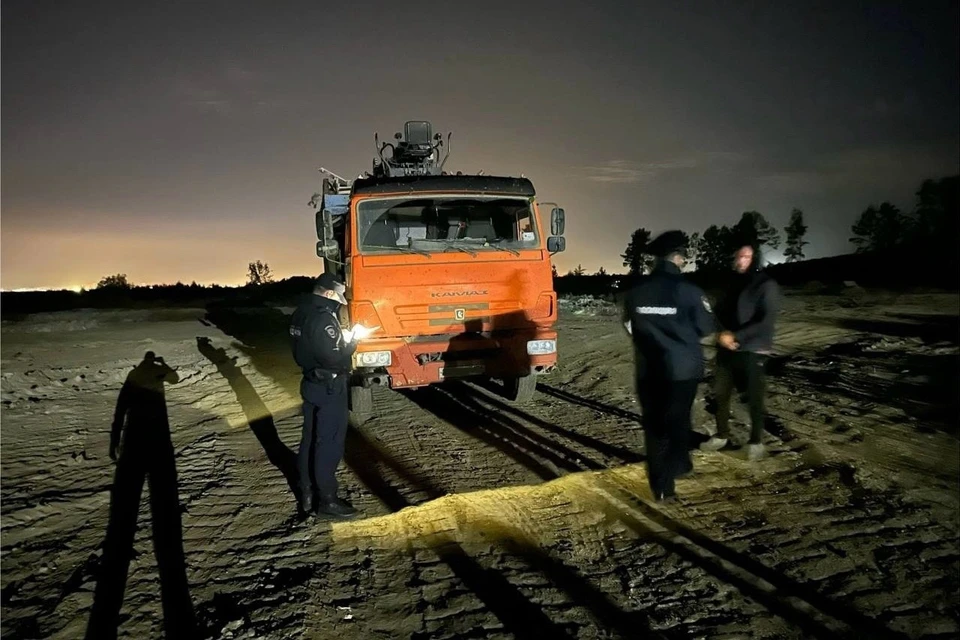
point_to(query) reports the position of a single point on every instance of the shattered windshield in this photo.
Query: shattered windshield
(446, 224)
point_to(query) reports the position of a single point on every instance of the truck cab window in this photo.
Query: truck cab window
(441, 224)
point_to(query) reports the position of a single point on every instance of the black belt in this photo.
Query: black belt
(324, 375)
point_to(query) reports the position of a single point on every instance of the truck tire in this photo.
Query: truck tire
(520, 389)
(361, 403)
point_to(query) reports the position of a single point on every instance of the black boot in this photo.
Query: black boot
(306, 502)
(334, 506)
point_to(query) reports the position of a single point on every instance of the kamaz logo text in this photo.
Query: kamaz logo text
(457, 294)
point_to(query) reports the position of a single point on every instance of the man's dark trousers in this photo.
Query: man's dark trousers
(325, 417)
(741, 369)
(666, 407)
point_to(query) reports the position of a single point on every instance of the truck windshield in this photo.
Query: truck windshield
(446, 224)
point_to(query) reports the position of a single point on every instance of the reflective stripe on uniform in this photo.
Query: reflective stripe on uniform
(657, 311)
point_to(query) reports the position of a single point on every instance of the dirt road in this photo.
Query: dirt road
(481, 519)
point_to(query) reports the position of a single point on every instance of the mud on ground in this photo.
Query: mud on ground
(480, 519)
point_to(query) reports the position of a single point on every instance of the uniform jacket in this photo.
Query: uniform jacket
(317, 340)
(667, 316)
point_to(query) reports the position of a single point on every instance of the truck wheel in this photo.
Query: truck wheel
(520, 389)
(361, 403)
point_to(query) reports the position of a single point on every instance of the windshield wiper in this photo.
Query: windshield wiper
(399, 248)
(451, 245)
(497, 245)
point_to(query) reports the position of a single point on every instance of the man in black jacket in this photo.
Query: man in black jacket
(323, 351)
(667, 317)
(747, 312)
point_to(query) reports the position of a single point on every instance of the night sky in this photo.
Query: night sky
(180, 141)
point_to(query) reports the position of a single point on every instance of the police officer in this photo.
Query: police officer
(667, 316)
(323, 351)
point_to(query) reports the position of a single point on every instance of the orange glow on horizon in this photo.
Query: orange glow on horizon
(83, 258)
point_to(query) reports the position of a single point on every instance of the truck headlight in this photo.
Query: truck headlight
(374, 359)
(541, 347)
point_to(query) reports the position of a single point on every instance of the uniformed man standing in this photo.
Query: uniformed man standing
(667, 317)
(323, 350)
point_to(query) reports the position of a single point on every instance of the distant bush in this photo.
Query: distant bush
(118, 281)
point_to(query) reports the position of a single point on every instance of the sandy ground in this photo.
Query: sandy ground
(484, 520)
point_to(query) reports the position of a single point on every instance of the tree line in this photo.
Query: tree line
(932, 224)
(258, 273)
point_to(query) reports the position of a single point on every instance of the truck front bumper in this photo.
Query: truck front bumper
(425, 360)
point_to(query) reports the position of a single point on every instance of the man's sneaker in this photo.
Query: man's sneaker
(755, 451)
(336, 507)
(714, 444)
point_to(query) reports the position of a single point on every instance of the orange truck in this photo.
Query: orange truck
(448, 274)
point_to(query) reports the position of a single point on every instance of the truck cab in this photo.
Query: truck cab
(450, 275)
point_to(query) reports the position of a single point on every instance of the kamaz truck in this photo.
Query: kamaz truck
(449, 275)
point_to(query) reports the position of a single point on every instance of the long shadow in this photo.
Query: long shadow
(607, 449)
(264, 335)
(452, 412)
(365, 459)
(518, 615)
(927, 327)
(561, 455)
(259, 418)
(696, 438)
(589, 403)
(627, 624)
(454, 404)
(141, 434)
(785, 587)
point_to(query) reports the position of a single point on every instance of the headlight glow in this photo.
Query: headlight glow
(541, 347)
(374, 359)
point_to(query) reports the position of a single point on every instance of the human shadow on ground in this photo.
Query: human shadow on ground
(606, 448)
(728, 565)
(520, 616)
(456, 405)
(263, 334)
(259, 418)
(696, 438)
(140, 443)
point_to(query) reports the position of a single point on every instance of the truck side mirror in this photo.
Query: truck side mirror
(328, 250)
(556, 222)
(327, 247)
(556, 244)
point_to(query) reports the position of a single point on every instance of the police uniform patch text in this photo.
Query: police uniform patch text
(657, 311)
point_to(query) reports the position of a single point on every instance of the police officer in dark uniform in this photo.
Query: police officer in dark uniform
(667, 317)
(323, 351)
